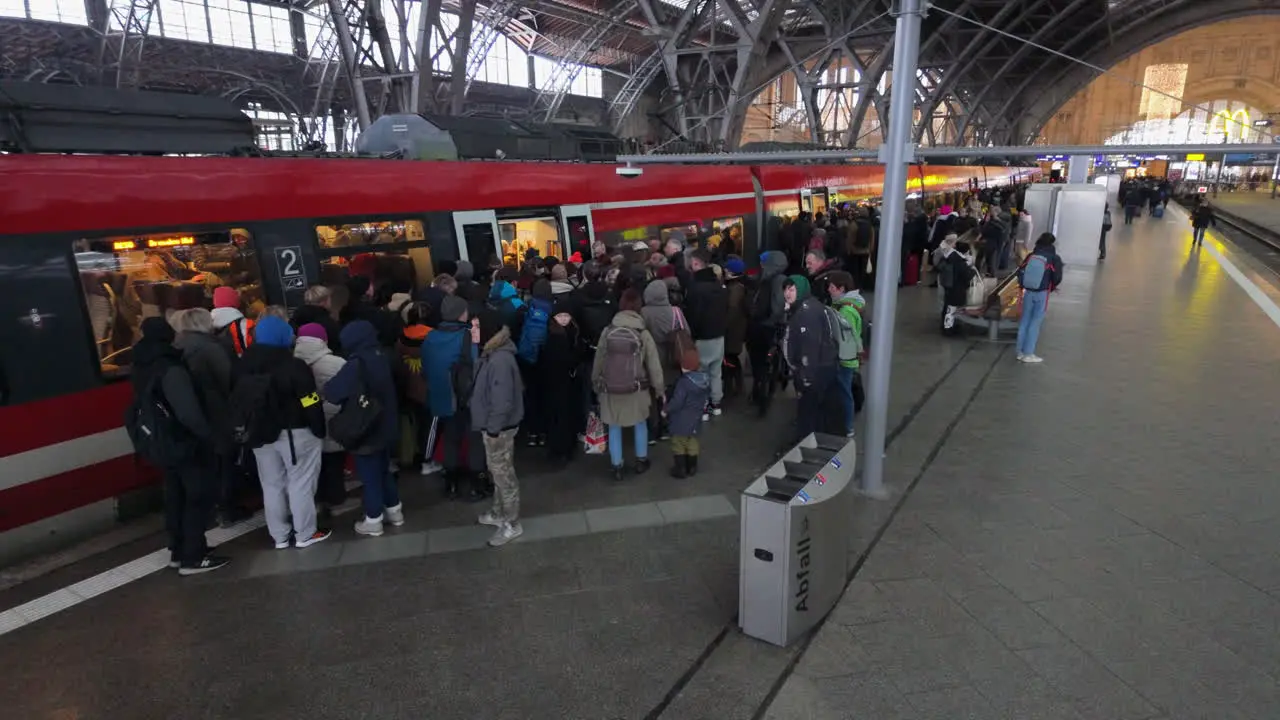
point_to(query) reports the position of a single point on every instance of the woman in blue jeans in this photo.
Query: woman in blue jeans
(1039, 275)
(626, 370)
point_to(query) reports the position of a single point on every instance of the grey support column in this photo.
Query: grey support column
(895, 154)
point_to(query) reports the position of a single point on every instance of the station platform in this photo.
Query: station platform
(1094, 537)
(1256, 207)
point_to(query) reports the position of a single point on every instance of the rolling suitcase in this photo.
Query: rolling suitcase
(1158, 212)
(911, 276)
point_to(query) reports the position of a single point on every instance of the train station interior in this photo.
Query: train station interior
(944, 330)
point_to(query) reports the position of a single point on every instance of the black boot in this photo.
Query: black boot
(679, 466)
(480, 488)
(642, 466)
(691, 465)
(451, 484)
(617, 473)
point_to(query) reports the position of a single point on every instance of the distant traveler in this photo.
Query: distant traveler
(276, 411)
(171, 430)
(626, 371)
(1106, 228)
(233, 329)
(368, 369)
(1201, 219)
(497, 409)
(1040, 275)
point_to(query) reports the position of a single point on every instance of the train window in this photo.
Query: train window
(387, 252)
(521, 236)
(382, 232)
(689, 230)
(727, 228)
(579, 235)
(126, 279)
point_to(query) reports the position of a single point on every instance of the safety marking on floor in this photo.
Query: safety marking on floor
(1250, 288)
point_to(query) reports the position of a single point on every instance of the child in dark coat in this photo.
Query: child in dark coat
(684, 414)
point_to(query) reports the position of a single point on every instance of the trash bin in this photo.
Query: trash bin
(794, 553)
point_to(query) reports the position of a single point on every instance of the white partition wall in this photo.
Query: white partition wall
(1073, 213)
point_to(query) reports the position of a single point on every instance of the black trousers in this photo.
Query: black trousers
(819, 406)
(454, 431)
(232, 479)
(331, 490)
(189, 491)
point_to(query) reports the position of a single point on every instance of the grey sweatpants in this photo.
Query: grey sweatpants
(288, 487)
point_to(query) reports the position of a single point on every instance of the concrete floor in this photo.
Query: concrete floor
(1090, 538)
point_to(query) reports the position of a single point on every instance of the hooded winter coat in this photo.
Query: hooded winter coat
(809, 347)
(735, 333)
(684, 407)
(504, 298)
(593, 310)
(366, 356)
(324, 366)
(408, 365)
(446, 346)
(210, 366)
(631, 408)
(659, 319)
(707, 306)
(497, 390)
(222, 319)
(769, 306)
(158, 359)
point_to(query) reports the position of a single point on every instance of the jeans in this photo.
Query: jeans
(380, 491)
(1034, 304)
(711, 362)
(615, 442)
(188, 494)
(1197, 235)
(844, 379)
(289, 469)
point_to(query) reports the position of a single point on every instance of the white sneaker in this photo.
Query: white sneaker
(505, 534)
(706, 417)
(1033, 359)
(715, 410)
(490, 519)
(431, 468)
(394, 467)
(285, 545)
(395, 515)
(316, 537)
(1021, 357)
(369, 526)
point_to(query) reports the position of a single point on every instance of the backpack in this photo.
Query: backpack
(534, 333)
(1036, 274)
(624, 371)
(154, 430)
(847, 341)
(357, 421)
(253, 422)
(235, 338)
(462, 374)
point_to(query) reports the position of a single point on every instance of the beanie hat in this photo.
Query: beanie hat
(802, 286)
(226, 297)
(490, 324)
(689, 359)
(576, 258)
(314, 330)
(735, 266)
(157, 328)
(273, 332)
(666, 271)
(452, 308)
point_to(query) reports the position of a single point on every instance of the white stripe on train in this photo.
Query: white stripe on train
(51, 460)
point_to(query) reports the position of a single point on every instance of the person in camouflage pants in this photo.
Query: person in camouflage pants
(497, 409)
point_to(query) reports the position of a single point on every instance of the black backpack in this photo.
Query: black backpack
(156, 434)
(356, 424)
(253, 421)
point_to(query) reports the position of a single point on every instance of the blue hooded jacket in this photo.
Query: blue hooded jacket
(441, 350)
(684, 407)
(504, 298)
(366, 356)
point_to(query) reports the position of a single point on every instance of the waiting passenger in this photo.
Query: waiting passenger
(812, 351)
(468, 289)
(684, 413)
(497, 409)
(707, 302)
(955, 272)
(735, 334)
(847, 301)
(447, 364)
(561, 370)
(166, 408)
(368, 367)
(230, 324)
(276, 411)
(662, 321)
(1040, 275)
(504, 298)
(318, 310)
(313, 348)
(767, 317)
(210, 366)
(626, 370)
(415, 417)
(533, 336)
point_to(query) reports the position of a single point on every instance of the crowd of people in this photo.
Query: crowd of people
(559, 356)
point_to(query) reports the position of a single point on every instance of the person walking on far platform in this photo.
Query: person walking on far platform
(1040, 275)
(1201, 219)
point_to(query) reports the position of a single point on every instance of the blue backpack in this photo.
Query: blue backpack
(534, 333)
(1036, 274)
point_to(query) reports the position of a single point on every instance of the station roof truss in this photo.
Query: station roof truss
(991, 71)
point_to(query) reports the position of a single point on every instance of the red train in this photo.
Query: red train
(90, 245)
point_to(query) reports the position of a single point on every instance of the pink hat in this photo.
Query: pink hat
(226, 297)
(946, 209)
(314, 330)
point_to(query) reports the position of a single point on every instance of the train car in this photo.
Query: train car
(92, 244)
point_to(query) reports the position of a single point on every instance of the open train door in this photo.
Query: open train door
(579, 232)
(477, 233)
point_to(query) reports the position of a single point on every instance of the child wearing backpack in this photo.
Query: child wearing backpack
(684, 414)
(849, 305)
(1039, 275)
(626, 370)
